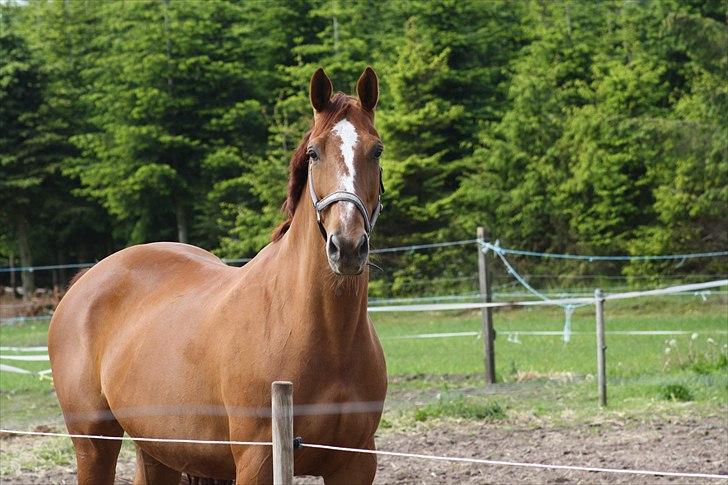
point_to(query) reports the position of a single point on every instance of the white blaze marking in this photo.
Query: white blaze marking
(348, 136)
(347, 133)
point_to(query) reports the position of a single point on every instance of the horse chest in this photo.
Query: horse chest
(340, 415)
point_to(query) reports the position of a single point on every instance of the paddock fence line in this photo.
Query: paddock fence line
(28, 310)
(284, 444)
(414, 247)
(569, 304)
(383, 453)
(19, 269)
(594, 257)
(129, 438)
(19, 370)
(431, 307)
(518, 464)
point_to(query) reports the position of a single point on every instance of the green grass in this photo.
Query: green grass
(30, 334)
(538, 375)
(544, 377)
(29, 456)
(26, 399)
(627, 355)
(460, 407)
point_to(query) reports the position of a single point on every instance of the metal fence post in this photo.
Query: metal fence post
(486, 313)
(601, 348)
(282, 432)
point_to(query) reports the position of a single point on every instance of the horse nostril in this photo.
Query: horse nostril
(363, 247)
(333, 247)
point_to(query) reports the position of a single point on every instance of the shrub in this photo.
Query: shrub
(676, 392)
(460, 408)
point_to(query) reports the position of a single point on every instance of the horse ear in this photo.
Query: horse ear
(320, 90)
(367, 88)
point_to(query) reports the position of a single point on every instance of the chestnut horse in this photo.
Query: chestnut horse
(164, 340)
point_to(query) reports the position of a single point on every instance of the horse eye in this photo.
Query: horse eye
(378, 152)
(312, 154)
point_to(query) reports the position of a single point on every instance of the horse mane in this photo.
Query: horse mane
(298, 169)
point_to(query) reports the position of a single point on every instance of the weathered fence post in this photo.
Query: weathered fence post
(282, 426)
(486, 313)
(601, 348)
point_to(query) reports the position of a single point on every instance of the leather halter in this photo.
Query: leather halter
(343, 196)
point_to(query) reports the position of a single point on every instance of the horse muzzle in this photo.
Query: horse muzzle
(347, 255)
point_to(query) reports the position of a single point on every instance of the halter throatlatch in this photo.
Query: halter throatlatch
(343, 196)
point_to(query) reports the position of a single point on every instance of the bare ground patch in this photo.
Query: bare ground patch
(687, 446)
(682, 445)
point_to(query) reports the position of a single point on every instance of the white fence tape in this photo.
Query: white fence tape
(559, 302)
(18, 370)
(129, 438)
(435, 307)
(667, 291)
(555, 333)
(13, 369)
(23, 349)
(434, 335)
(26, 358)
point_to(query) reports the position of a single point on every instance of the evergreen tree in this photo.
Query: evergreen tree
(61, 35)
(342, 36)
(421, 162)
(691, 182)
(24, 159)
(170, 86)
(561, 126)
(513, 192)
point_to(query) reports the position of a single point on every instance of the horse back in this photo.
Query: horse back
(110, 296)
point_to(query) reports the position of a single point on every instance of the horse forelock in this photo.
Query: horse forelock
(337, 109)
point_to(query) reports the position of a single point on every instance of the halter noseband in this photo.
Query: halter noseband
(343, 196)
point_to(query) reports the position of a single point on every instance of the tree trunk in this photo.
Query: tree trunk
(179, 209)
(63, 279)
(26, 258)
(11, 260)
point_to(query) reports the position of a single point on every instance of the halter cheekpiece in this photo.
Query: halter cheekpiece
(343, 196)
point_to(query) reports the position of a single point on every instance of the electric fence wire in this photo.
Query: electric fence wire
(593, 257)
(569, 308)
(463, 242)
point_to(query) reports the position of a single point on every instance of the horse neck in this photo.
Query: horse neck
(335, 304)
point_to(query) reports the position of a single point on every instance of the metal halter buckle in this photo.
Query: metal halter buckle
(344, 196)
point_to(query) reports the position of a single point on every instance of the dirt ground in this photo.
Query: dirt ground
(664, 445)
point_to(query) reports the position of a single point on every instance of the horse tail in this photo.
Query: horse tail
(76, 277)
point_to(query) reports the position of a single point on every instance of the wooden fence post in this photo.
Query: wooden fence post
(486, 313)
(601, 348)
(282, 432)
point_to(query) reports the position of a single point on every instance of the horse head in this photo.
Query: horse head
(344, 175)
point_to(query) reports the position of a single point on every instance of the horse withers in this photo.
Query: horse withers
(164, 340)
